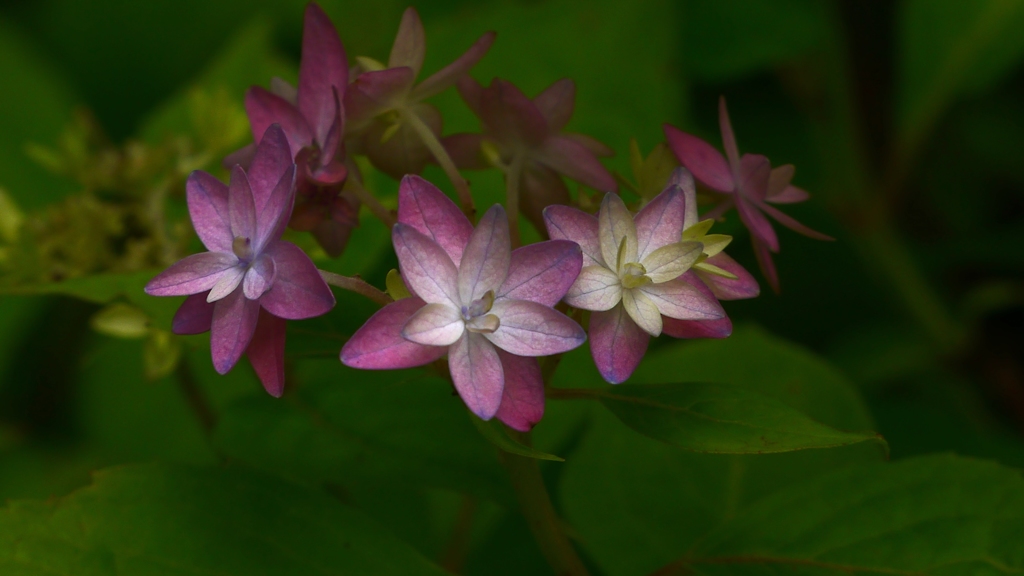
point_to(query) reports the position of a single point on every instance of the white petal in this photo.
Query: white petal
(669, 262)
(229, 280)
(596, 288)
(678, 299)
(434, 325)
(615, 223)
(643, 311)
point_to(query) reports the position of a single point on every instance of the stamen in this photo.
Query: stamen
(242, 247)
(484, 324)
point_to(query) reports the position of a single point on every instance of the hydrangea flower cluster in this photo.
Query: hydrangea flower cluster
(471, 293)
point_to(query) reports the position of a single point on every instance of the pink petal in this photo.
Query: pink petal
(273, 158)
(426, 267)
(273, 218)
(471, 92)
(434, 325)
(194, 316)
(241, 209)
(568, 157)
(522, 399)
(330, 142)
(789, 195)
(379, 345)
(617, 344)
(299, 291)
(208, 208)
(542, 272)
(234, 322)
(742, 287)
(446, 77)
(266, 352)
(615, 223)
(556, 103)
(728, 137)
(792, 224)
(779, 179)
(540, 187)
(322, 70)
(410, 44)
(265, 108)
(532, 329)
(373, 93)
(487, 256)
(477, 374)
(465, 152)
(332, 236)
(721, 328)
(227, 283)
(760, 228)
(707, 164)
(680, 299)
(596, 147)
(424, 207)
(643, 311)
(565, 223)
(192, 274)
(755, 173)
(259, 277)
(510, 116)
(764, 261)
(596, 288)
(660, 222)
(683, 178)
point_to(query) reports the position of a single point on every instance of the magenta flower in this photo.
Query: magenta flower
(385, 107)
(633, 276)
(524, 138)
(749, 183)
(488, 308)
(250, 281)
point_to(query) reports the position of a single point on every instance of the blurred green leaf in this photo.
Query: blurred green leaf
(934, 515)
(158, 519)
(720, 419)
(495, 433)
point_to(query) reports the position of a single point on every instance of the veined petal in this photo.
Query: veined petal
(556, 103)
(642, 310)
(194, 316)
(660, 222)
(477, 374)
(273, 218)
(791, 223)
(298, 290)
(760, 228)
(617, 344)
(755, 172)
(266, 352)
(465, 151)
(273, 158)
(322, 70)
(542, 272)
(446, 77)
(532, 329)
(510, 116)
(522, 399)
(566, 223)
(379, 345)
(596, 288)
(265, 108)
(375, 92)
(615, 223)
(732, 152)
(425, 266)
(669, 262)
(679, 299)
(208, 208)
(427, 209)
(241, 208)
(676, 328)
(683, 178)
(434, 325)
(192, 274)
(226, 284)
(259, 277)
(567, 156)
(487, 256)
(707, 164)
(234, 321)
(742, 287)
(409, 46)
(330, 138)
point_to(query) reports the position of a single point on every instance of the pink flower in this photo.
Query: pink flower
(250, 281)
(749, 183)
(488, 308)
(634, 276)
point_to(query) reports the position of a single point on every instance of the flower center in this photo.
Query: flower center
(242, 247)
(476, 315)
(634, 275)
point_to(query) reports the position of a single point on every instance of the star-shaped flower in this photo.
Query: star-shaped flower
(488, 308)
(250, 281)
(750, 184)
(633, 275)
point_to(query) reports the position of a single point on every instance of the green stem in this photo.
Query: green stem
(454, 555)
(512, 177)
(357, 285)
(371, 202)
(194, 397)
(441, 155)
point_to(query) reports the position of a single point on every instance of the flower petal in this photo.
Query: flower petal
(669, 262)
(234, 321)
(265, 108)
(779, 179)
(683, 178)
(596, 288)
(266, 352)
(465, 151)
(660, 222)
(194, 316)
(510, 116)
(425, 266)
(764, 261)
(227, 283)
(642, 310)
(566, 223)
(379, 345)
(615, 223)
(298, 291)
(398, 149)
(375, 92)
(241, 208)
(322, 70)
(720, 328)
(434, 325)
(679, 299)
(742, 287)
(789, 195)
(532, 329)
(540, 187)
(192, 274)
(707, 164)
(732, 152)
(760, 228)
(522, 399)
(567, 156)
(424, 207)
(208, 208)
(273, 218)
(477, 374)
(471, 92)
(556, 103)
(791, 223)
(446, 77)
(259, 277)
(617, 344)
(542, 272)
(410, 44)
(272, 159)
(487, 256)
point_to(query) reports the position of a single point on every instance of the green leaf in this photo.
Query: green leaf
(158, 519)
(931, 515)
(495, 433)
(721, 419)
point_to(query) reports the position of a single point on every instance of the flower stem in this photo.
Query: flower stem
(512, 177)
(371, 202)
(441, 155)
(536, 506)
(357, 285)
